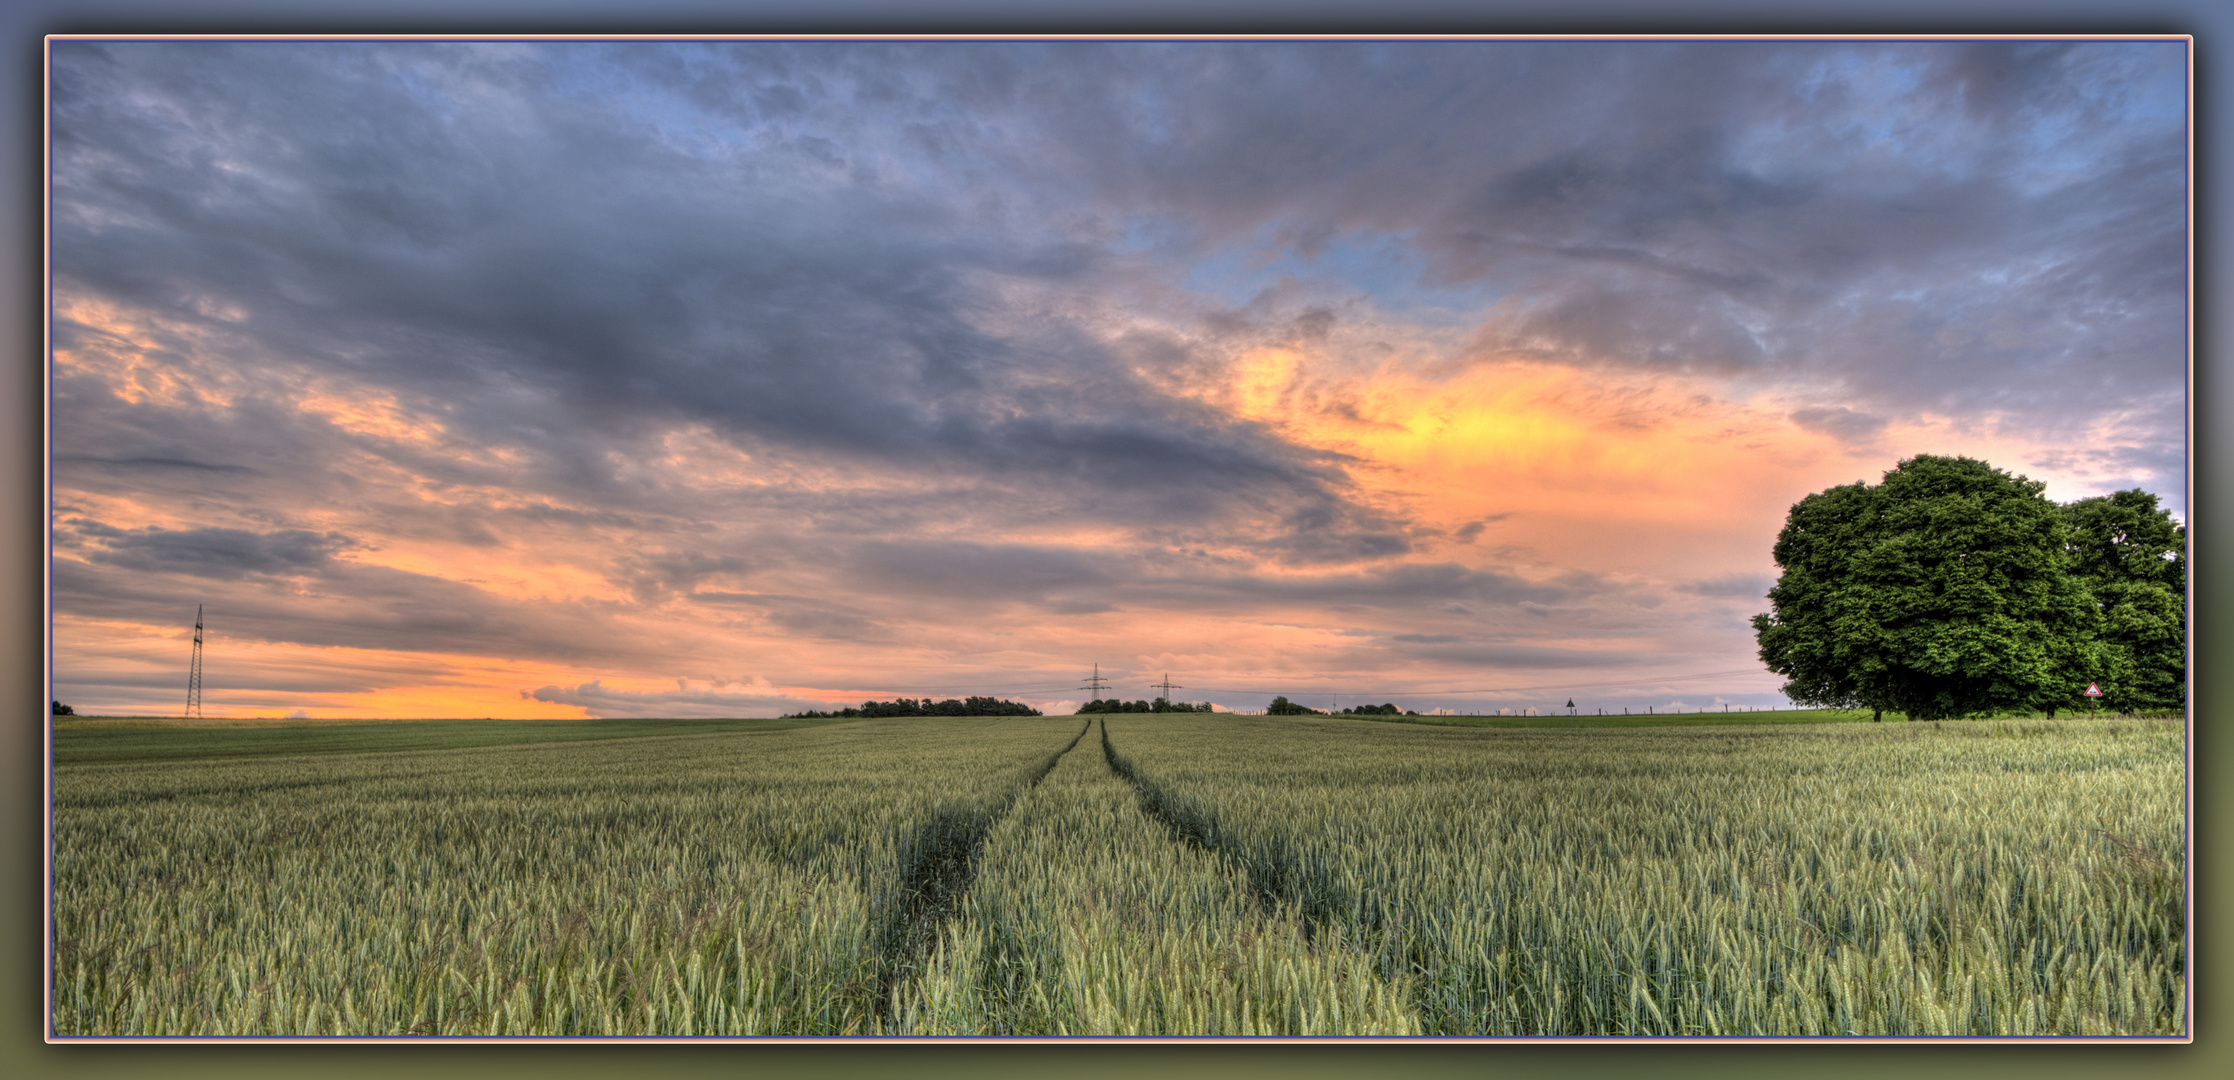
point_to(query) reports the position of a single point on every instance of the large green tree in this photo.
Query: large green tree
(1941, 592)
(2132, 559)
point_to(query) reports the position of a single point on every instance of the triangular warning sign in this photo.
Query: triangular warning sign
(2093, 690)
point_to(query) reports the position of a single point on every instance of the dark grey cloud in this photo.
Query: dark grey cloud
(1472, 530)
(1753, 587)
(653, 576)
(1402, 587)
(574, 249)
(206, 553)
(1840, 423)
(1067, 580)
(977, 573)
(2000, 220)
(131, 464)
(807, 243)
(1996, 81)
(807, 616)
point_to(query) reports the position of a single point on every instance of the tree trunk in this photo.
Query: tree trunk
(1877, 716)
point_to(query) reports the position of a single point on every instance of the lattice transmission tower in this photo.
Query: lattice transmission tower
(1167, 686)
(1096, 683)
(194, 672)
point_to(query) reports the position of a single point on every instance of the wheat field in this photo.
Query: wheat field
(1139, 875)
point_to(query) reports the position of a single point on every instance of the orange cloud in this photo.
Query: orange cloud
(1614, 471)
(376, 415)
(139, 354)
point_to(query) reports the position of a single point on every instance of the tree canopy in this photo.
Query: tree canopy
(1953, 588)
(1160, 705)
(2131, 557)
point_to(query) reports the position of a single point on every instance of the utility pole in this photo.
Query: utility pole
(1095, 684)
(1167, 686)
(194, 673)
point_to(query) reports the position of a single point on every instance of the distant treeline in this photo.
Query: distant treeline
(972, 706)
(1158, 705)
(1281, 706)
(1376, 710)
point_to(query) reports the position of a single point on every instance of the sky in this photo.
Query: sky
(563, 379)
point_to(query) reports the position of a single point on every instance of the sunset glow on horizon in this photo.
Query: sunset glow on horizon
(565, 379)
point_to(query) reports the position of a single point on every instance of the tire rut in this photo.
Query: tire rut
(931, 889)
(1271, 881)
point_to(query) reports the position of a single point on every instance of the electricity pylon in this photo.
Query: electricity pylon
(194, 672)
(1167, 686)
(1095, 684)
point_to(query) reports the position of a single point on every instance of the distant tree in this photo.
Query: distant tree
(64, 710)
(1940, 592)
(1281, 706)
(2131, 558)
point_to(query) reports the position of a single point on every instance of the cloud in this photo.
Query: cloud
(209, 553)
(133, 463)
(1670, 205)
(684, 702)
(639, 284)
(821, 619)
(1405, 587)
(977, 573)
(1475, 655)
(287, 586)
(1732, 586)
(1843, 424)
